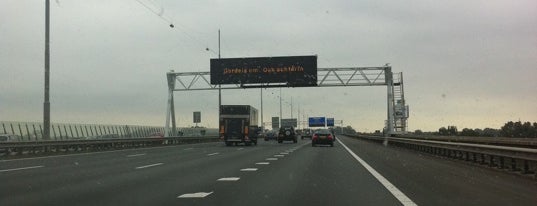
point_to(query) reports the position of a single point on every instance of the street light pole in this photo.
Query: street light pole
(262, 125)
(291, 107)
(280, 106)
(46, 104)
(219, 85)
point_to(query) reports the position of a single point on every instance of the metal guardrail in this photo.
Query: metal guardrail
(502, 141)
(514, 159)
(47, 147)
(33, 131)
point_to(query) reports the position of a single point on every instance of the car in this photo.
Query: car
(287, 134)
(8, 138)
(307, 133)
(109, 136)
(156, 135)
(270, 135)
(322, 136)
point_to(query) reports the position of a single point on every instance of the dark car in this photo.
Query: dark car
(307, 133)
(270, 135)
(287, 134)
(322, 136)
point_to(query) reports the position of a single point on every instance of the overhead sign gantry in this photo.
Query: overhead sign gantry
(293, 71)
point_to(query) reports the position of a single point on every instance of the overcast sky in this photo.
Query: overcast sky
(465, 63)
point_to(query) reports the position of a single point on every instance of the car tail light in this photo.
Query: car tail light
(246, 138)
(330, 137)
(315, 136)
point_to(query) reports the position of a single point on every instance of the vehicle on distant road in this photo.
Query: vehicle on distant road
(156, 135)
(8, 138)
(239, 124)
(322, 136)
(306, 133)
(287, 134)
(270, 135)
(109, 136)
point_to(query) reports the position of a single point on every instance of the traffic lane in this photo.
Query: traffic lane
(22, 173)
(306, 176)
(67, 171)
(162, 185)
(100, 183)
(430, 180)
(70, 157)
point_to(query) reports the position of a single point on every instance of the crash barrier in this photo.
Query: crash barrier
(33, 131)
(514, 159)
(9, 149)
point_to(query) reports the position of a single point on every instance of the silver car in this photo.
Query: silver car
(7, 138)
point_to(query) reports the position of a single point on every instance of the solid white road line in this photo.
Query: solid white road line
(272, 159)
(135, 155)
(195, 195)
(278, 155)
(213, 154)
(22, 168)
(249, 169)
(387, 184)
(229, 179)
(262, 163)
(151, 165)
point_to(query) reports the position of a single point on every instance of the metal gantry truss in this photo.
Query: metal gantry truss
(397, 115)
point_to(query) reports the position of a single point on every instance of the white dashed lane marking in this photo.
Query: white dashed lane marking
(151, 165)
(136, 155)
(278, 155)
(272, 159)
(195, 195)
(249, 169)
(229, 179)
(22, 168)
(262, 163)
(213, 154)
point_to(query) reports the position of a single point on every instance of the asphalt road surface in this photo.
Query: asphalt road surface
(353, 172)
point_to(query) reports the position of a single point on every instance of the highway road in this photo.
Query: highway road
(353, 172)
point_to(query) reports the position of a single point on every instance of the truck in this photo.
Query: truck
(239, 124)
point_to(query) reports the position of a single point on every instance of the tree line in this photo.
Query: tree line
(510, 129)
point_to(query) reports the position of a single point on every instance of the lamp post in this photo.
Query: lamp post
(46, 104)
(280, 106)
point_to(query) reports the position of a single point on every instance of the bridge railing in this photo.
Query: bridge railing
(511, 158)
(33, 131)
(51, 146)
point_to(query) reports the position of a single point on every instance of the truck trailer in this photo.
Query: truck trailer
(239, 124)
